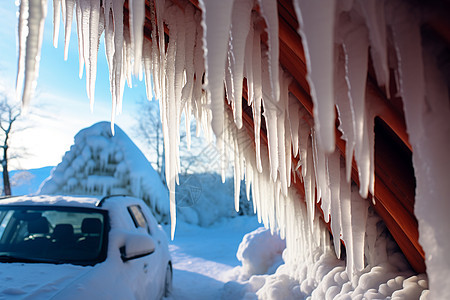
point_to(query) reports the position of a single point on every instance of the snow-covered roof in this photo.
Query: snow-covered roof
(99, 163)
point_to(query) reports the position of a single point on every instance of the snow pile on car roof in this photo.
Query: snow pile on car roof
(99, 163)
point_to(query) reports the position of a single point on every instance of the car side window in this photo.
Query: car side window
(138, 217)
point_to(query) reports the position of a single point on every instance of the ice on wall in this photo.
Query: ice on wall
(317, 23)
(99, 163)
(203, 62)
(427, 116)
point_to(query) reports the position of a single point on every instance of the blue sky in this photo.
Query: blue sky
(60, 107)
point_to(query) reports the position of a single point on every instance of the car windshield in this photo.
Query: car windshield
(52, 234)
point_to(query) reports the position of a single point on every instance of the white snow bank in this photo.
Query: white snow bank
(260, 253)
(322, 276)
(99, 163)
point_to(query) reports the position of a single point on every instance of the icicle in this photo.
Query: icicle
(159, 8)
(248, 63)
(83, 36)
(345, 111)
(137, 17)
(346, 217)
(147, 61)
(228, 80)
(22, 31)
(356, 54)
(180, 57)
(31, 30)
(282, 133)
(186, 93)
(117, 61)
(248, 179)
(288, 151)
(269, 10)
(309, 181)
(304, 132)
(257, 84)
(237, 176)
(322, 178)
(199, 66)
(63, 10)
(431, 164)
(154, 54)
(294, 123)
(359, 210)
(317, 23)
(216, 24)
(334, 169)
(56, 20)
(70, 4)
(80, 38)
(374, 17)
(127, 63)
(372, 110)
(425, 94)
(109, 43)
(94, 35)
(241, 17)
(271, 112)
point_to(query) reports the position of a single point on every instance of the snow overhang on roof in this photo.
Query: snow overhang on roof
(324, 74)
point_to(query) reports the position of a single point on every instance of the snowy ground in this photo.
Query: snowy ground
(204, 256)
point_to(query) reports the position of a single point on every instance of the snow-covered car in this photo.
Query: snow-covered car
(64, 247)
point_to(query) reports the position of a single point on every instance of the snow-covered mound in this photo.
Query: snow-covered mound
(99, 163)
(260, 253)
(387, 274)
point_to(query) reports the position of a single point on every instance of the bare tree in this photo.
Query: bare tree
(150, 132)
(9, 114)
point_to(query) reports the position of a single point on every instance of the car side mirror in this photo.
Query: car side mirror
(136, 246)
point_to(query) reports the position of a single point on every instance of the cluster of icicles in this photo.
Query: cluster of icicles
(221, 45)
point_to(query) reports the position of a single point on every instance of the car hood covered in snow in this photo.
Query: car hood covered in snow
(64, 282)
(37, 281)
